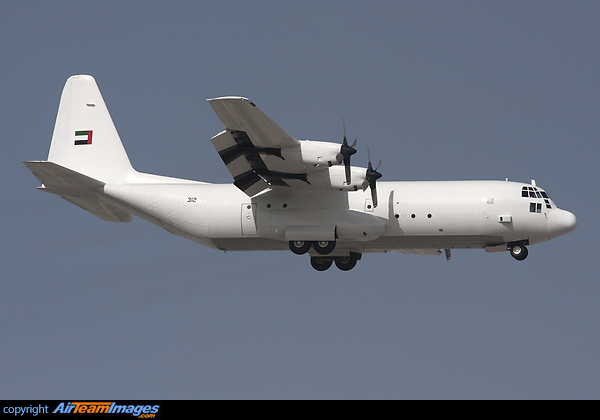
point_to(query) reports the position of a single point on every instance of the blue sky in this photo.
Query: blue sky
(437, 90)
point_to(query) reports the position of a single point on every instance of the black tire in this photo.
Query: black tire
(324, 247)
(320, 264)
(300, 247)
(346, 263)
(519, 252)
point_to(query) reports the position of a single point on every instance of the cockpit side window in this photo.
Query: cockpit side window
(535, 207)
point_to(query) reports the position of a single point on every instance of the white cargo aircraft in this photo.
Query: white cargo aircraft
(302, 196)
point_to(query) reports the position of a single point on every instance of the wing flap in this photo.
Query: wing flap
(245, 178)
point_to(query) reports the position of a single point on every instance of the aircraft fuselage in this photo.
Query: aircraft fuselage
(422, 215)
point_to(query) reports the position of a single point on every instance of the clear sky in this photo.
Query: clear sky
(438, 90)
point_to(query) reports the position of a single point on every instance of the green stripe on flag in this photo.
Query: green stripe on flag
(82, 133)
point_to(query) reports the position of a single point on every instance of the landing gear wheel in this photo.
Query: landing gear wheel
(519, 252)
(300, 247)
(320, 264)
(346, 263)
(324, 247)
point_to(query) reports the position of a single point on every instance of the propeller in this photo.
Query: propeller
(345, 152)
(371, 177)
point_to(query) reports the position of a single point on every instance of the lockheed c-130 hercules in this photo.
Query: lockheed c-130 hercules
(303, 196)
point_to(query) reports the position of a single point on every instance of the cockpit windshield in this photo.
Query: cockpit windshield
(534, 192)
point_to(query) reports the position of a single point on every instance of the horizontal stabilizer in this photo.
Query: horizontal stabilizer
(81, 190)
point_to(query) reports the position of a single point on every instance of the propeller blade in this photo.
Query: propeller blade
(365, 184)
(371, 177)
(346, 151)
(374, 194)
(348, 174)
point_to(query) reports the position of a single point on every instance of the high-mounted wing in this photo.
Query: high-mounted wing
(260, 154)
(241, 115)
(253, 147)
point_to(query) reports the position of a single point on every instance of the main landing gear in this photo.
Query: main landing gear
(323, 261)
(345, 263)
(320, 247)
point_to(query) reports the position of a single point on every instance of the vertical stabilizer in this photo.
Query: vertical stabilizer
(85, 139)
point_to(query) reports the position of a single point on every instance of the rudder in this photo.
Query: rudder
(85, 139)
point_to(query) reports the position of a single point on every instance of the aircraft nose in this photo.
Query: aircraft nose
(561, 222)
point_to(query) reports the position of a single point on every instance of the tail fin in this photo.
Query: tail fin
(85, 139)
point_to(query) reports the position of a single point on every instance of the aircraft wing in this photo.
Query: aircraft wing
(243, 116)
(260, 154)
(253, 147)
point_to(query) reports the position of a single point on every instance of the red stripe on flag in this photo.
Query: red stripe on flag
(89, 141)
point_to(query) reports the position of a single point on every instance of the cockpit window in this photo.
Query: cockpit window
(535, 207)
(533, 192)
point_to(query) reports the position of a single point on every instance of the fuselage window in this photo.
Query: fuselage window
(532, 207)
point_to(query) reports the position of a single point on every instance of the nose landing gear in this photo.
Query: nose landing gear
(519, 252)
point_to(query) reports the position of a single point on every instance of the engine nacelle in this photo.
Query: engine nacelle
(320, 153)
(335, 178)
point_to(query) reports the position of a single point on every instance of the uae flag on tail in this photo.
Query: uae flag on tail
(83, 137)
